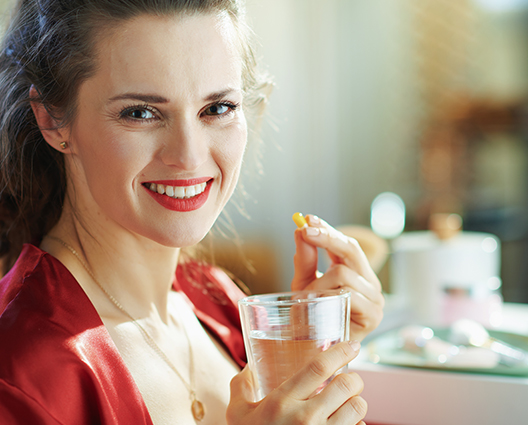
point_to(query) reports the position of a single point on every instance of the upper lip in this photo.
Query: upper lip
(180, 182)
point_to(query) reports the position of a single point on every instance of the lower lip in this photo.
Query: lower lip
(188, 204)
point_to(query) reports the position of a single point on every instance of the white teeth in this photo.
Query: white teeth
(179, 192)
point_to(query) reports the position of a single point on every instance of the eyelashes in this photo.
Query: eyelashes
(144, 113)
(220, 109)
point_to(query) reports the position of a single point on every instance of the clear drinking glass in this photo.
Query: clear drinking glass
(283, 331)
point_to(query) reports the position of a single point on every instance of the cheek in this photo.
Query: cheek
(231, 150)
(110, 159)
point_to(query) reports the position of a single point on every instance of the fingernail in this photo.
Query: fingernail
(312, 231)
(313, 219)
(355, 345)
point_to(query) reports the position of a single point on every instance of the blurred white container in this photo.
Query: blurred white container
(443, 280)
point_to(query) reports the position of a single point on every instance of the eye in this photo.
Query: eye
(138, 113)
(219, 109)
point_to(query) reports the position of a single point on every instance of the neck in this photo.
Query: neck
(136, 271)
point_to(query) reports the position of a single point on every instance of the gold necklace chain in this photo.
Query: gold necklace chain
(197, 407)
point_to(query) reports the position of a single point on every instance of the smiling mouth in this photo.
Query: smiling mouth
(177, 192)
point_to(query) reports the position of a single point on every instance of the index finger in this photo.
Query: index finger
(341, 248)
(314, 374)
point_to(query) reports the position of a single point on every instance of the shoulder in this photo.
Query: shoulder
(58, 362)
(17, 407)
(40, 329)
(39, 289)
(13, 282)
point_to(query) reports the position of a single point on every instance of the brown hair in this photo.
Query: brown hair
(50, 44)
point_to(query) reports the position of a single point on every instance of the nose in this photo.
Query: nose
(185, 146)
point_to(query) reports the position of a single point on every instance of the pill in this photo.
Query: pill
(299, 219)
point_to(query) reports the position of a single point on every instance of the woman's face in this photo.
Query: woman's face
(159, 136)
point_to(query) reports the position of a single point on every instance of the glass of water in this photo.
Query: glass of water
(284, 331)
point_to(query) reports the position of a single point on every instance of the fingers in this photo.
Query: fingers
(303, 384)
(366, 299)
(343, 387)
(342, 249)
(242, 395)
(351, 412)
(341, 399)
(350, 270)
(304, 262)
(341, 276)
(338, 403)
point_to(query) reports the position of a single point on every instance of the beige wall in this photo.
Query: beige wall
(346, 114)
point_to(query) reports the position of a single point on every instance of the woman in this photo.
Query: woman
(123, 133)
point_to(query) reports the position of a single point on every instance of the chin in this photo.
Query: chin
(180, 239)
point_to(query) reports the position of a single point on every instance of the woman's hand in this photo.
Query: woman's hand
(350, 269)
(289, 404)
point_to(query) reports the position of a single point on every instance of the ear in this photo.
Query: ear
(57, 137)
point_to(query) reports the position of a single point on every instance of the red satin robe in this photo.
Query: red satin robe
(58, 364)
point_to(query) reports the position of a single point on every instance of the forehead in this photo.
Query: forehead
(179, 55)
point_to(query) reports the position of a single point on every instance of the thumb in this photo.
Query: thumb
(304, 262)
(241, 403)
(242, 385)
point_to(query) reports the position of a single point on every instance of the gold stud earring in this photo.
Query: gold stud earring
(63, 145)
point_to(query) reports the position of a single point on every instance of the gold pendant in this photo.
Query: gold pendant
(197, 409)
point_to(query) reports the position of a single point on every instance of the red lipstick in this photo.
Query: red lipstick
(187, 182)
(182, 205)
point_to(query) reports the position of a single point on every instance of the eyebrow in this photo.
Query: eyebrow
(152, 98)
(220, 95)
(147, 98)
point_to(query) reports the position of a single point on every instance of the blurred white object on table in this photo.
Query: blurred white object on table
(418, 396)
(445, 274)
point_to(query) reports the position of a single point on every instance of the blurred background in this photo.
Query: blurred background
(425, 99)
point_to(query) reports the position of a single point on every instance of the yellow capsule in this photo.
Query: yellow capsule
(299, 219)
